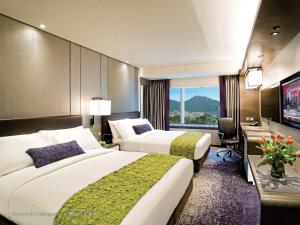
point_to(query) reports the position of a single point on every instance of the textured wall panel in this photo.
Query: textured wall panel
(35, 72)
(90, 80)
(75, 79)
(104, 76)
(122, 86)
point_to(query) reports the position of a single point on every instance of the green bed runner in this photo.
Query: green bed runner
(185, 144)
(108, 200)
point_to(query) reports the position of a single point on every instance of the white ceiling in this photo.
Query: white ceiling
(148, 33)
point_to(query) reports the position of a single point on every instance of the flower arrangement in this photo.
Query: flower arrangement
(277, 152)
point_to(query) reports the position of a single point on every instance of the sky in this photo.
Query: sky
(211, 92)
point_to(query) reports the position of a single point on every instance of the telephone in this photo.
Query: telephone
(254, 123)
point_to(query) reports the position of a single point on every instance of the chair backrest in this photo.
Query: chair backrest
(227, 127)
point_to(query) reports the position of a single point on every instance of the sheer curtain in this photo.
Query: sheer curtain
(230, 98)
(156, 103)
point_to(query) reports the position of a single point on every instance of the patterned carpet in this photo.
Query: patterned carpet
(221, 196)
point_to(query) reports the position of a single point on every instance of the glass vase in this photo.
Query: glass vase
(278, 172)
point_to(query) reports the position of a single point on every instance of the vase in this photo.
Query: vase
(278, 172)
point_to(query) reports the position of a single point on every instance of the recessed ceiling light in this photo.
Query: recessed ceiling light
(43, 26)
(274, 33)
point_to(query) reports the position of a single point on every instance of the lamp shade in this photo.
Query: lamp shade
(254, 78)
(100, 107)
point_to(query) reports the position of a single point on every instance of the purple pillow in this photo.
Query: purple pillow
(140, 129)
(53, 153)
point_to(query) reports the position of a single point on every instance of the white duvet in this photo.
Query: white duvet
(33, 196)
(160, 141)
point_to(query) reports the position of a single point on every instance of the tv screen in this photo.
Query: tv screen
(270, 103)
(290, 91)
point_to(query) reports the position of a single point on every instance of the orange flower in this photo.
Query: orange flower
(275, 149)
(265, 150)
(273, 136)
(260, 141)
(289, 141)
(280, 136)
(290, 137)
(298, 153)
(277, 142)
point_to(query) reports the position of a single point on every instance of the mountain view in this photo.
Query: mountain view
(198, 110)
(197, 104)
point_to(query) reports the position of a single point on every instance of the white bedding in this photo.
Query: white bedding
(160, 141)
(33, 196)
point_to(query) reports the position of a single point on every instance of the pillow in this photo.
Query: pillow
(124, 129)
(140, 121)
(53, 153)
(147, 121)
(83, 136)
(143, 128)
(13, 155)
(113, 128)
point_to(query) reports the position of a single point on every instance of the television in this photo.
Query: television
(290, 101)
(270, 103)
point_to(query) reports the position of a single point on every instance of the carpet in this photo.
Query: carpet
(221, 195)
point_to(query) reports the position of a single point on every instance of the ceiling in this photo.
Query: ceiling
(147, 33)
(264, 47)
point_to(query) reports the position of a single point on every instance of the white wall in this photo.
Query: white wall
(211, 81)
(284, 65)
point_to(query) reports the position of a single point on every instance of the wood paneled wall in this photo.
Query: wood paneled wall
(32, 60)
(249, 102)
(44, 75)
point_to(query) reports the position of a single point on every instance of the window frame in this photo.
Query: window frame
(182, 115)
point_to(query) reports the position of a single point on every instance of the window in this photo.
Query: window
(195, 106)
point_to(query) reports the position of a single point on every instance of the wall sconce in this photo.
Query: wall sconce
(253, 78)
(99, 107)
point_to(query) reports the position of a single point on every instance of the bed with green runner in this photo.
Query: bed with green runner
(103, 187)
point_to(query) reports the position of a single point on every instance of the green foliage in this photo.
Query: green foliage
(277, 152)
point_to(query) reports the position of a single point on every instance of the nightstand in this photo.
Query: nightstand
(115, 146)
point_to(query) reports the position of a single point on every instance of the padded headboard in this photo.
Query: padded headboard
(27, 126)
(105, 129)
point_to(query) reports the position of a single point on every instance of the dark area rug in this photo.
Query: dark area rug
(221, 195)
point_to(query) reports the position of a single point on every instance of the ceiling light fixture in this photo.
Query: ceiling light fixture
(274, 33)
(43, 26)
(275, 30)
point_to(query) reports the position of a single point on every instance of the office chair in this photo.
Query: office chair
(228, 137)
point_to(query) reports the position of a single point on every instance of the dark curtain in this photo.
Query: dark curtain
(230, 98)
(156, 103)
(222, 85)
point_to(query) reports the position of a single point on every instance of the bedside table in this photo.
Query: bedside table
(112, 146)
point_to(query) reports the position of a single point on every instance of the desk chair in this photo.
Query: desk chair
(228, 137)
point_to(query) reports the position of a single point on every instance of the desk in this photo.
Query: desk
(250, 135)
(277, 208)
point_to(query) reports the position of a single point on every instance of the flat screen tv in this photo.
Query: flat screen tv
(290, 100)
(270, 103)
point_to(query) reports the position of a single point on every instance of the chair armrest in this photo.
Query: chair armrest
(221, 136)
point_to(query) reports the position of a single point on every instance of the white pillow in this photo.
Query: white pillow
(13, 149)
(113, 129)
(83, 136)
(124, 129)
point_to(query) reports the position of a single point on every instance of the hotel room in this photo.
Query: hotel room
(149, 112)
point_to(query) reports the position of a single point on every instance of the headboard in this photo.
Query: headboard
(27, 126)
(105, 129)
